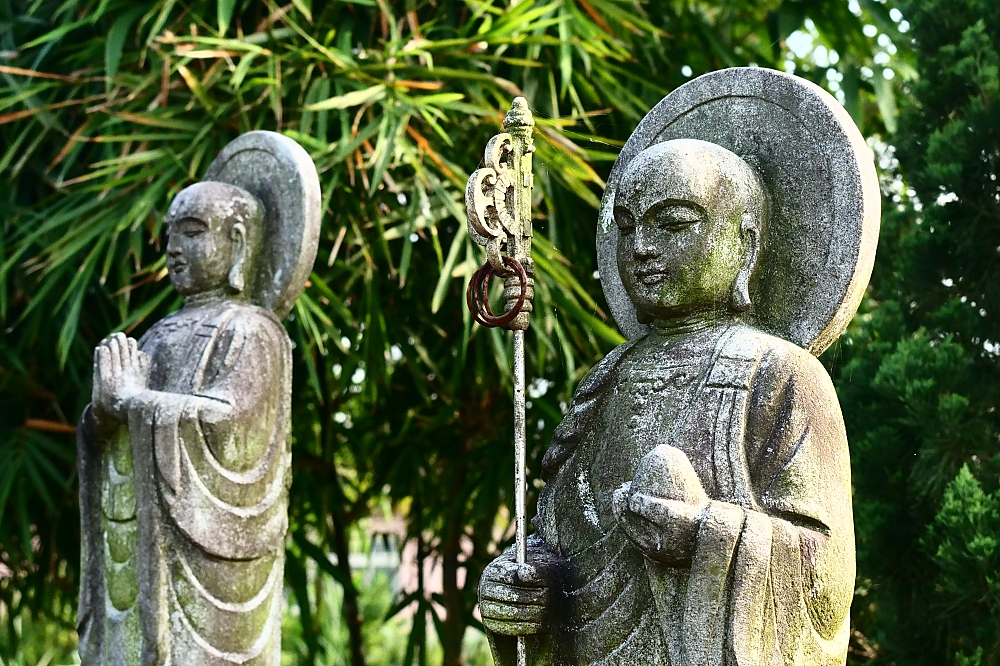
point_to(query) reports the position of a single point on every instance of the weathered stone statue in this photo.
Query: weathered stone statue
(184, 454)
(697, 510)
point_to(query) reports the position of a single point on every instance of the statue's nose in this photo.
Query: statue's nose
(644, 247)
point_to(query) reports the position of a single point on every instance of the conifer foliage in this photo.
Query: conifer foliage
(918, 373)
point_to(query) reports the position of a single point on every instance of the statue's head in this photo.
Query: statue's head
(690, 216)
(212, 238)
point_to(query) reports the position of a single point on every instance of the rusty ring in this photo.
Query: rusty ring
(477, 294)
(475, 284)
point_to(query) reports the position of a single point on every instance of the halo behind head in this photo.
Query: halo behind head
(281, 175)
(822, 191)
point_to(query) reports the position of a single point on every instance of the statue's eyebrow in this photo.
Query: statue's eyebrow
(188, 219)
(674, 203)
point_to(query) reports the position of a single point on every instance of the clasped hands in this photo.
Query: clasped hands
(659, 511)
(121, 371)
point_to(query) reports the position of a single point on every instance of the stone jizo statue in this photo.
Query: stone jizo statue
(697, 506)
(184, 453)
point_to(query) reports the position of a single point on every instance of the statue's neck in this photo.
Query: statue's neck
(210, 297)
(687, 325)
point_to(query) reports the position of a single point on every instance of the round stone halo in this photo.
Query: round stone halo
(821, 234)
(280, 173)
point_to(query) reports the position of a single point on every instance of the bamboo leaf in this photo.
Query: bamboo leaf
(351, 99)
(116, 41)
(224, 13)
(885, 96)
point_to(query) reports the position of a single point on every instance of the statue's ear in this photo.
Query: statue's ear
(239, 238)
(750, 234)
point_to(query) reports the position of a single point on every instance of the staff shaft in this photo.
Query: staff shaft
(520, 463)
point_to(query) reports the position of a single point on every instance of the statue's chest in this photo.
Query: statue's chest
(648, 402)
(648, 406)
(176, 350)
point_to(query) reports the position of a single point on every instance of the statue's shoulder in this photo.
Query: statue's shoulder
(595, 380)
(248, 315)
(773, 360)
(244, 323)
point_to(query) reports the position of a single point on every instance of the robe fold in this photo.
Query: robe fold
(208, 469)
(771, 577)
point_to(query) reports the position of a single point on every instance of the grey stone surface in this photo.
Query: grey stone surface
(697, 506)
(184, 453)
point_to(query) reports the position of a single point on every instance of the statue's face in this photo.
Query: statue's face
(199, 250)
(198, 255)
(679, 216)
(201, 244)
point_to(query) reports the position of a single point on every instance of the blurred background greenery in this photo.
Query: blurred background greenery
(402, 409)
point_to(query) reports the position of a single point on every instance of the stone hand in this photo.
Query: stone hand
(664, 530)
(660, 509)
(121, 371)
(514, 598)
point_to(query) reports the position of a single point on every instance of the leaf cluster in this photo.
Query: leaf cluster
(918, 371)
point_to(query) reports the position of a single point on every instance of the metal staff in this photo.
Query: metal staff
(498, 203)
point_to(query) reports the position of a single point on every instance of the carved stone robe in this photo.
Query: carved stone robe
(184, 508)
(772, 575)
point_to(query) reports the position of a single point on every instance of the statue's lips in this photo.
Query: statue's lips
(651, 277)
(177, 267)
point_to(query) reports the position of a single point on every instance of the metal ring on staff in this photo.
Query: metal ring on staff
(477, 294)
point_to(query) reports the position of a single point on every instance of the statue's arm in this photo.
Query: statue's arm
(248, 365)
(796, 454)
(243, 396)
(796, 446)
(799, 464)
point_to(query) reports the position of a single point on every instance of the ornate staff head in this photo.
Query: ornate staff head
(498, 205)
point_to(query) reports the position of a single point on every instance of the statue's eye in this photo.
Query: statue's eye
(190, 227)
(677, 216)
(624, 219)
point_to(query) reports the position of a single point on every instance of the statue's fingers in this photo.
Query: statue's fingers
(506, 628)
(530, 575)
(121, 340)
(510, 612)
(653, 509)
(115, 348)
(133, 351)
(105, 362)
(619, 500)
(501, 570)
(97, 380)
(510, 594)
(642, 533)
